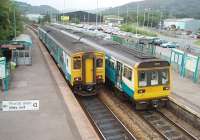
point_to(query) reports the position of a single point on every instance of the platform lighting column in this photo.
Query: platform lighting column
(127, 14)
(161, 20)
(144, 18)
(97, 15)
(88, 18)
(137, 19)
(118, 14)
(14, 19)
(63, 12)
(152, 19)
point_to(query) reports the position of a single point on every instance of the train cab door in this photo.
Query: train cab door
(119, 74)
(89, 70)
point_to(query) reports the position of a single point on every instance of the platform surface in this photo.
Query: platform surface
(52, 122)
(186, 92)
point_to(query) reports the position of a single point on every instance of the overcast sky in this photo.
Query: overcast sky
(78, 4)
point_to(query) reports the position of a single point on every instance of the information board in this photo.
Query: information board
(2, 67)
(20, 105)
(191, 62)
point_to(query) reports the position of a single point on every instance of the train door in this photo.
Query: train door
(89, 70)
(119, 74)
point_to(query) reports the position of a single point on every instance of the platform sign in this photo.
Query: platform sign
(20, 105)
(191, 62)
(2, 67)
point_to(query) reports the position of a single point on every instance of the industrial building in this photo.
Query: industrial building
(187, 24)
(83, 16)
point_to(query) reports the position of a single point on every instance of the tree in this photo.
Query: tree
(7, 21)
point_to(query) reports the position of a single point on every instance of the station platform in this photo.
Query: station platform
(59, 117)
(186, 93)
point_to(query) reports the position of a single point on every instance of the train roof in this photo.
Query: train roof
(122, 53)
(69, 44)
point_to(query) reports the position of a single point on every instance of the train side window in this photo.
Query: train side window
(127, 73)
(67, 62)
(154, 78)
(164, 77)
(99, 62)
(112, 65)
(77, 63)
(142, 79)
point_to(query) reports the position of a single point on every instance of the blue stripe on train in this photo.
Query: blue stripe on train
(68, 76)
(127, 90)
(111, 74)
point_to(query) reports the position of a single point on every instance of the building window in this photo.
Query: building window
(127, 73)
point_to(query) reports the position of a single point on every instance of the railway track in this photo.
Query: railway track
(106, 123)
(165, 126)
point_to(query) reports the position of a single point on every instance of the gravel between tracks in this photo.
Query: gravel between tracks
(128, 116)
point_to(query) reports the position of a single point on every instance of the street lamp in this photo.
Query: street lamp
(137, 19)
(96, 15)
(14, 19)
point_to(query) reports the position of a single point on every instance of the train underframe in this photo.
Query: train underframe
(151, 104)
(87, 89)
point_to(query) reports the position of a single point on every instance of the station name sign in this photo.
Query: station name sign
(20, 105)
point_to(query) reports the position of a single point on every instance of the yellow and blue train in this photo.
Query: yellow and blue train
(82, 65)
(144, 79)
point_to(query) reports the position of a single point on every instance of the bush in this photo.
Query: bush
(132, 28)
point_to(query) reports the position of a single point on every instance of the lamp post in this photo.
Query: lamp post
(127, 14)
(148, 18)
(14, 19)
(97, 15)
(144, 18)
(137, 19)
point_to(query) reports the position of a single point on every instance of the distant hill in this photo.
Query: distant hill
(29, 9)
(176, 8)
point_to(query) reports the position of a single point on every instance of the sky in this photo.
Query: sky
(78, 4)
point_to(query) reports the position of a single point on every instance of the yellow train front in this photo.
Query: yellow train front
(152, 84)
(82, 65)
(88, 72)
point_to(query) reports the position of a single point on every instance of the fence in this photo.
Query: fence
(186, 64)
(132, 43)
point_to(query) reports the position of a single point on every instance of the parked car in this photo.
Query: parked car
(170, 45)
(159, 42)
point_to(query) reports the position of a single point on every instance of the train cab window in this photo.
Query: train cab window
(164, 77)
(142, 79)
(99, 62)
(127, 73)
(77, 63)
(154, 78)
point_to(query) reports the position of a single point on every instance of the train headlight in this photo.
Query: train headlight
(140, 91)
(166, 88)
(99, 77)
(77, 79)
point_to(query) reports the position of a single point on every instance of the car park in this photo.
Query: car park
(170, 45)
(159, 41)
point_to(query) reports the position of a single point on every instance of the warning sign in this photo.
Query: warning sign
(20, 105)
